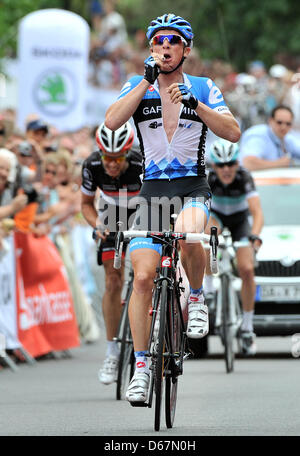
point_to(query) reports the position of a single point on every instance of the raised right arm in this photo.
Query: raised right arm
(121, 111)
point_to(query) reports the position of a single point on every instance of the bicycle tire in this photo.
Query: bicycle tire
(159, 361)
(126, 358)
(226, 326)
(171, 379)
(171, 384)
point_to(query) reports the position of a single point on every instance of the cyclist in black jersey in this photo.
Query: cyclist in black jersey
(114, 170)
(234, 199)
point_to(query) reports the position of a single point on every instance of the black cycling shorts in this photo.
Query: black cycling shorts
(107, 249)
(238, 224)
(160, 198)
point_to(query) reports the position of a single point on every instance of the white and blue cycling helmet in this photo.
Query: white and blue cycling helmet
(223, 151)
(172, 22)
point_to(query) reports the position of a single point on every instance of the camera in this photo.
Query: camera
(32, 194)
(25, 149)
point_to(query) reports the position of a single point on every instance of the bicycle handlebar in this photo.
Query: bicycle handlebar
(212, 239)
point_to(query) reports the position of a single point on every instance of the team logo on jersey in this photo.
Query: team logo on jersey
(87, 174)
(208, 203)
(215, 96)
(151, 110)
(155, 124)
(185, 125)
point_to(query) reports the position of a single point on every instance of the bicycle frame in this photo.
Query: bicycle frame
(228, 314)
(167, 349)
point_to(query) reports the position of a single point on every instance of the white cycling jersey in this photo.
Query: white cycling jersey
(185, 154)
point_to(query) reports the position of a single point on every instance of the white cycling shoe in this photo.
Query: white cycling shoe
(137, 390)
(109, 371)
(198, 323)
(248, 345)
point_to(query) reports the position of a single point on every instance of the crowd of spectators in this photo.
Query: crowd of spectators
(251, 95)
(40, 178)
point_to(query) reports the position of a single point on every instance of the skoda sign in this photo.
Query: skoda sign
(55, 92)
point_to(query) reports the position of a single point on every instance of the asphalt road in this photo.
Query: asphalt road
(63, 397)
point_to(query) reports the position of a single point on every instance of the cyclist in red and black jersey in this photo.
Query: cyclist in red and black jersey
(115, 169)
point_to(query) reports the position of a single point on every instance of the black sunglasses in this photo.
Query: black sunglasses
(229, 164)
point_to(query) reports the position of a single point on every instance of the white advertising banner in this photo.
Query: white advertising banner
(53, 49)
(8, 307)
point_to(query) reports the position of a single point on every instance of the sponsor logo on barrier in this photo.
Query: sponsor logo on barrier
(57, 53)
(55, 92)
(52, 307)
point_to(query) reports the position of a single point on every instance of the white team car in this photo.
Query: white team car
(277, 275)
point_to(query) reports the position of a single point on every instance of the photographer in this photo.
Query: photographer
(9, 204)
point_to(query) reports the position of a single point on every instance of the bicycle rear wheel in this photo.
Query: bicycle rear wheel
(126, 359)
(227, 332)
(160, 355)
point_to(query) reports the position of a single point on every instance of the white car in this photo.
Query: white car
(277, 275)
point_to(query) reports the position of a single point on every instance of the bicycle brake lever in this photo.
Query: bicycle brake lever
(213, 242)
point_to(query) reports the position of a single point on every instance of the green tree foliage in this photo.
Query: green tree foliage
(12, 11)
(234, 30)
(237, 31)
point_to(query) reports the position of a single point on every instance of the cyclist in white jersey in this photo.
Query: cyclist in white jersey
(172, 112)
(234, 199)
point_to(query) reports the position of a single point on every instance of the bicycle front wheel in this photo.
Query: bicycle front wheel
(227, 332)
(175, 363)
(170, 399)
(160, 354)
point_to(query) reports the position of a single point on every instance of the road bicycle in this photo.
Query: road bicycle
(167, 346)
(126, 359)
(226, 312)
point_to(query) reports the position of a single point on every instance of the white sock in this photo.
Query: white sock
(141, 362)
(112, 348)
(208, 284)
(247, 323)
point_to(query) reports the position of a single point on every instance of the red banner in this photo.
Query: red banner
(45, 314)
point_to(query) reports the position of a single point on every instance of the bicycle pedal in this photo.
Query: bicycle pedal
(188, 355)
(139, 404)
